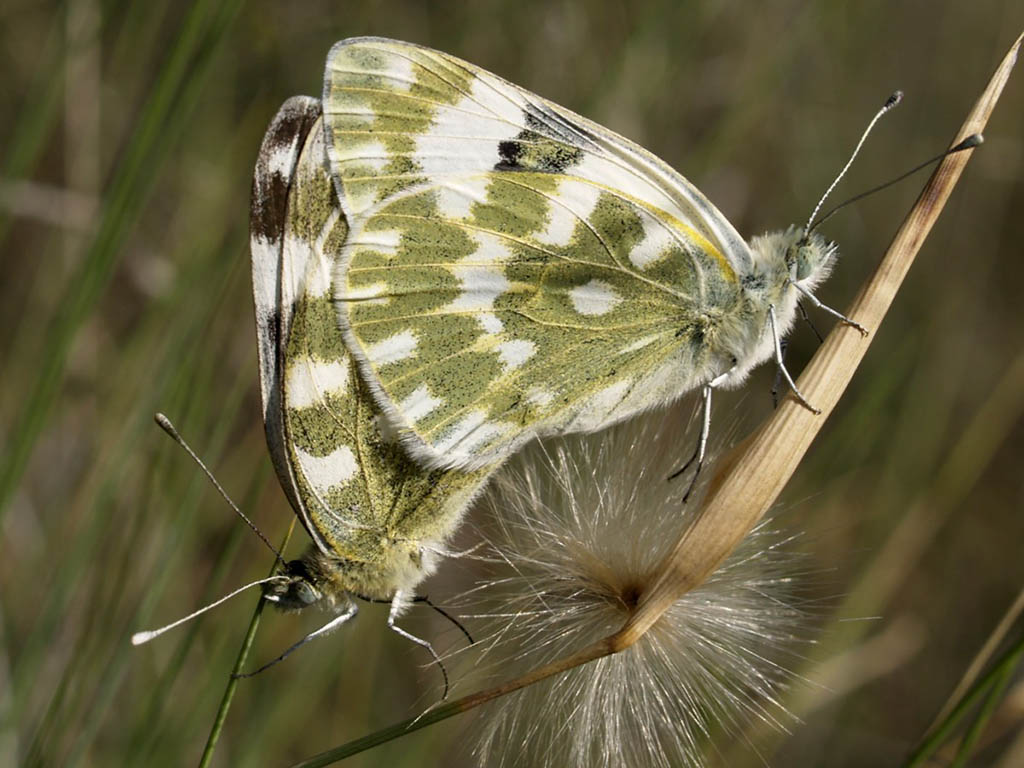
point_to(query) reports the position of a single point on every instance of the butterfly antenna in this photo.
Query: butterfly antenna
(972, 141)
(166, 426)
(890, 104)
(144, 637)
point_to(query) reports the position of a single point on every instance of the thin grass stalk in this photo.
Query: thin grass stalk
(149, 146)
(992, 642)
(749, 479)
(988, 708)
(1002, 670)
(76, 717)
(146, 737)
(38, 116)
(90, 702)
(243, 653)
(95, 504)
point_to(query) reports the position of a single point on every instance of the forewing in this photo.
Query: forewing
(357, 490)
(512, 269)
(398, 114)
(272, 180)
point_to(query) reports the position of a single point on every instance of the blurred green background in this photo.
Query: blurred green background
(128, 134)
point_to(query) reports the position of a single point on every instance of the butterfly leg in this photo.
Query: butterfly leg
(337, 621)
(426, 601)
(835, 313)
(777, 384)
(397, 603)
(782, 366)
(810, 324)
(705, 429)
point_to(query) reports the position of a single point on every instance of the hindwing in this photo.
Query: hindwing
(511, 268)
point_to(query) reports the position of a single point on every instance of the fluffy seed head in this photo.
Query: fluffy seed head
(577, 532)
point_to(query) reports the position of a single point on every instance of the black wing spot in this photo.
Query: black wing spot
(550, 143)
(531, 151)
(287, 133)
(509, 152)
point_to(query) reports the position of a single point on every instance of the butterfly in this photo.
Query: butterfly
(377, 520)
(513, 269)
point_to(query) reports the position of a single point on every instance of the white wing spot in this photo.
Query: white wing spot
(368, 156)
(326, 472)
(608, 399)
(465, 136)
(538, 396)
(491, 249)
(594, 298)
(281, 159)
(575, 198)
(379, 239)
(640, 344)
(473, 431)
(515, 352)
(481, 282)
(418, 404)
(657, 243)
(484, 434)
(401, 346)
(561, 224)
(480, 287)
(458, 432)
(309, 380)
(490, 323)
(455, 198)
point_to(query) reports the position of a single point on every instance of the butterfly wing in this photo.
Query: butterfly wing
(512, 269)
(272, 181)
(357, 492)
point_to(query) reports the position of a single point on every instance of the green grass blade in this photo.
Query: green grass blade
(147, 149)
(990, 687)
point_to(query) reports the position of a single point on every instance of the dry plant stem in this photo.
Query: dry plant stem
(759, 469)
(603, 647)
(751, 476)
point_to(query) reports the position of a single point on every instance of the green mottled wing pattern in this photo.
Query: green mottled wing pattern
(511, 269)
(361, 492)
(271, 184)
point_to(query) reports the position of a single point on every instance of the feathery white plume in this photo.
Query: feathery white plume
(578, 528)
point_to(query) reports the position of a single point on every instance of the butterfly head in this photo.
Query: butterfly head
(294, 588)
(790, 257)
(321, 578)
(782, 259)
(809, 257)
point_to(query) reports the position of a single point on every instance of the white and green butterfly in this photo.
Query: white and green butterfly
(513, 269)
(378, 521)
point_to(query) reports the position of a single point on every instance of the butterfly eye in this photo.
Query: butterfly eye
(294, 589)
(805, 263)
(303, 593)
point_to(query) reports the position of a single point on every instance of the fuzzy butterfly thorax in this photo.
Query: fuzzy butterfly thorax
(780, 262)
